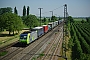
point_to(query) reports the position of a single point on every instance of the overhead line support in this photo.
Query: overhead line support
(40, 16)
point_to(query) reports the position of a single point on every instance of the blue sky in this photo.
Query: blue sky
(76, 8)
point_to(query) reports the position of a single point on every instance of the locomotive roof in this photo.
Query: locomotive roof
(37, 27)
(26, 32)
(50, 23)
(56, 21)
(23, 34)
(44, 25)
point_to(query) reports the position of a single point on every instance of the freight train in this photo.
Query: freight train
(35, 33)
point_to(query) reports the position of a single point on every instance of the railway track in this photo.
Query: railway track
(33, 48)
(6, 47)
(12, 50)
(57, 51)
(49, 39)
(20, 53)
(53, 48)
(11, 54)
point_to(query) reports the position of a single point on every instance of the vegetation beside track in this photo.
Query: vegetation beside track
(3, 53)
(79, 43)
(4, 41)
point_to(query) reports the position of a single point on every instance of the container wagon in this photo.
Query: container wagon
(56, 23)
(51, 26)
(59, 21)
(45, 28)
(39, 30)
(28, 37)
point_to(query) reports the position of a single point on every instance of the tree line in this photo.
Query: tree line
(79, 41)
(12, 22)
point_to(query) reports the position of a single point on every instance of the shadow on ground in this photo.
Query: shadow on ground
(20, 45)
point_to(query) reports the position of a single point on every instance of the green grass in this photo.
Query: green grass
(79, 19)
(34, 58)
(41, 54)
(9, 39)
(3, 53)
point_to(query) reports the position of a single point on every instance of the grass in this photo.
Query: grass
(68, 51)
(49, 43)
(69, 54)
(34, 58)
(4, 36)
(6, 40)
(60, 58)
(40, 55)
(3, 53)
(79, 19)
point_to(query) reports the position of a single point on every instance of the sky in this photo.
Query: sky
(75, 8)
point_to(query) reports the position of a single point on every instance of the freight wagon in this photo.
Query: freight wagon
(59, 22)
(45, 28)
(56, 23)
(51, 26)
(28, 37)
(39, 30)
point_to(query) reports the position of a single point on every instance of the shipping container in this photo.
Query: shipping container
(51, 25)
(45, 28)
(33, 35)
(59, 21)
(56, 23)
(39, 30)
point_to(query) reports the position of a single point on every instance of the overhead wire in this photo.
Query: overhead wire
(57, 8)
(51, 10)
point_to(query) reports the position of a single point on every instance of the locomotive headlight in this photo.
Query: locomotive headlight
(25, 36)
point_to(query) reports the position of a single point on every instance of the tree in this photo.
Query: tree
(88, 19)
(49, 19)
(24, 11)
(31, 21)
(53, 18)
(44, 20)
(15, 11)
(12, 22)
(27, 10)
(2, 23)
(70, 19)
(23, 19)
(59, 18)
(4, 10)
(82, 21)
